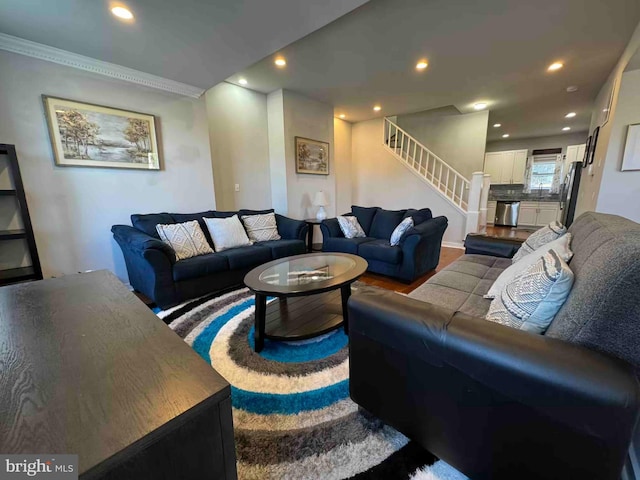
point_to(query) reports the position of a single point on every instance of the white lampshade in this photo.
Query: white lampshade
(320, 199)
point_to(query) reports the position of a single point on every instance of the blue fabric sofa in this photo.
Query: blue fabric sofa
(419, 249)
(154, 271)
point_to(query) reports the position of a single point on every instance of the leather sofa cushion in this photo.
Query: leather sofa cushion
(147, 223)
(345, 245)
(380, 250)
(285, 248)
(200, 266)
(385, 222)
(247, 257)
(461, 285)
(365, 216)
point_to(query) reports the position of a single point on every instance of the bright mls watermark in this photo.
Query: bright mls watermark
(50, 467)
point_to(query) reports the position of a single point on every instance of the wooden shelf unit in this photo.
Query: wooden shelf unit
(13, 270)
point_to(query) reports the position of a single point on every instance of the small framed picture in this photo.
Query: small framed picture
(312, 156)
(594, 144)
(631, 157)
(87, 135)
(587, 152)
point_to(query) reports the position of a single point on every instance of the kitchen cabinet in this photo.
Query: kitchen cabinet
(506, 167)
(538, 214)
(575, 153)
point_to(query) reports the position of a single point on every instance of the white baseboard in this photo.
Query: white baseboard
(459, 245)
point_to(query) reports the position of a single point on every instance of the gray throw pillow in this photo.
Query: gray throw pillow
(262, 227)
(531, 300)
(227, 232)
(350, 227)
(539, 238)
(400, 230)
(187, 239)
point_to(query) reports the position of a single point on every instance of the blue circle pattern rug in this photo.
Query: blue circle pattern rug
(292, 414)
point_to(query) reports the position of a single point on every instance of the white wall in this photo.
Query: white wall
(457, 139)
(588, 195)
(381, 180)
(620, 191)
(73, 208)
(307, 118)
(277, 152)
(239, 146)
(342, 163)
(538, 143)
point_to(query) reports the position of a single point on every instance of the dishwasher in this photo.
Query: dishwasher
(507, 214)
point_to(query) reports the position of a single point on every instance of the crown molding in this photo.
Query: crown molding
(69, 59)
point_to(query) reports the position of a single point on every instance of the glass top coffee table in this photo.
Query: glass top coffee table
(321, 285)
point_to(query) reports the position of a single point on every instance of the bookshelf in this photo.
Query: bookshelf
(19, 260)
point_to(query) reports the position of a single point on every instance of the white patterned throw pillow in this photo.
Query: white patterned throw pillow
(227, 233)
(350, 226)
(562, 246)
(262, 227)
(539, 238)
(187, 239)
(400, 230)
(534, 297)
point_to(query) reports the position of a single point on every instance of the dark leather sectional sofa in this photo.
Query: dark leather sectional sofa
(500, 403)
(419, 249)
(154, 271)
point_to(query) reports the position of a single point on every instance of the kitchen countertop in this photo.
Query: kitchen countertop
(525, 197)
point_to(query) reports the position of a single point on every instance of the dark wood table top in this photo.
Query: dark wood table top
(86, 368)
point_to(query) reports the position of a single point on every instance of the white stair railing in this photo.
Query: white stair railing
(450, 183)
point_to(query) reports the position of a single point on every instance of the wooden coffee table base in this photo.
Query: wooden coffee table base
(298, 318)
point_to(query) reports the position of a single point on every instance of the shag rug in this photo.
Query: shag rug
(293, 418)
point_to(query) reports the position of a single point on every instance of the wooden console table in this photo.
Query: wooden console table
(88, 369)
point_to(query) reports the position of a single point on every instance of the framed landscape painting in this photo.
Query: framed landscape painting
(86, 135)
(312, 156)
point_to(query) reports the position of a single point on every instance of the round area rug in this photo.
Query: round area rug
(292, 414)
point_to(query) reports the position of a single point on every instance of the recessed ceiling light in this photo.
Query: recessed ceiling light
(506, 135)
(497, 125)
(280, 62)
(555, 66)
(377, 108)
(566, 129)
(422, 64)
(480, 106)
(342, 115)
(122, 12)
(570, 115)
(572, 88)
(242, 81)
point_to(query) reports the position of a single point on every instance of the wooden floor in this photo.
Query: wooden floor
(447, 256)
(513, 233)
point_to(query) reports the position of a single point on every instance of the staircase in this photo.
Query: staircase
(430, 168)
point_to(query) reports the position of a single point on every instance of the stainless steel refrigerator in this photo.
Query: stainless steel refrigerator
(569, 193)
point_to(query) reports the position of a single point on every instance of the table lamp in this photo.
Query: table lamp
(320, 200)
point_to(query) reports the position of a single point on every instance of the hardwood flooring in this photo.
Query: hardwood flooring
(512, 233)
(447, 256)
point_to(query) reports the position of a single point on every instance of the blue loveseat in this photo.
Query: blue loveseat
(154, 271)
(419, 249)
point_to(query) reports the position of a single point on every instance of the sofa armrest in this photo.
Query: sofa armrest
(421, 248)
(331, 228)
(291, 229)
(496, 247)
(135, 240)
(595, 393)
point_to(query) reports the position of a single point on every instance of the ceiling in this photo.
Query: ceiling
(197, 42)
(496, 51)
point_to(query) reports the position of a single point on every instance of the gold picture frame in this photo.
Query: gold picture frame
(312, 156)
(88, 135)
